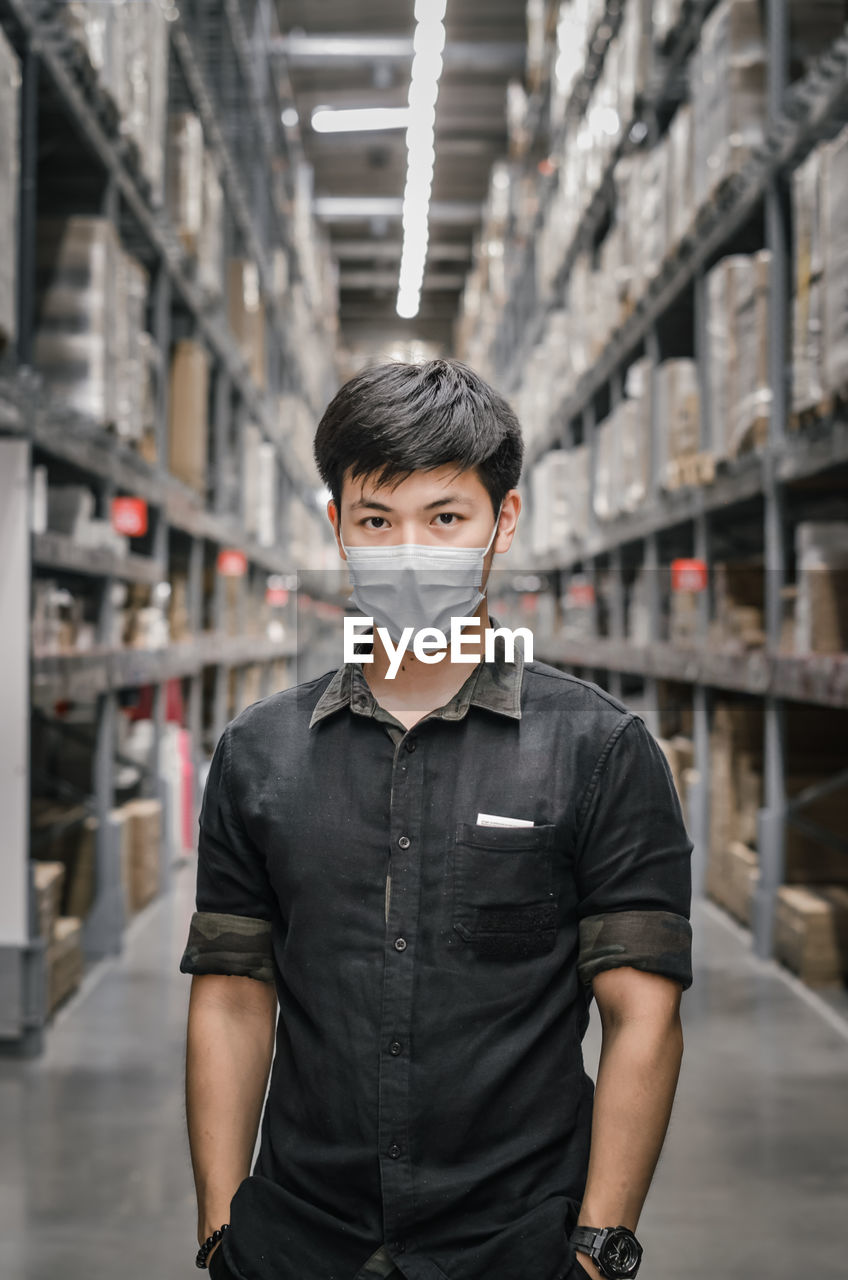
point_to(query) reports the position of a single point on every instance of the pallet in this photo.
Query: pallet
(691, 471)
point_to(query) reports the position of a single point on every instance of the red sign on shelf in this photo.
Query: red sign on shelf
(232, 564)
(276, 595)
(688, 575)
(129, 516)
(580, 595)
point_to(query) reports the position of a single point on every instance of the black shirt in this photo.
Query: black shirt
(433, 971)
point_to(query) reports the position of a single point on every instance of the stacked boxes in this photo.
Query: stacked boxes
(127, 44)
(91, 346)
(185, 178)
(260, 486)
(189, 414)
(821, 608)
(808, 375)
(728, 92)
(10, 81)
(559, 486)
(48, 882)
(737, 363)
(246, 313)
(835, 234)
(678, 413)
(65, 961)
(811, 933)
(144, 831)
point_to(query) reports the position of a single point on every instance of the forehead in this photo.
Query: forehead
(419, 486)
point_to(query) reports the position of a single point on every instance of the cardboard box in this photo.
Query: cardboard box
(48, 879)
(821, 609)
(835, 278)
(678, 410)
(65, 961)
(185, 178)
(188, 417)
(728, 81)
(144, 834)
(811, 932)
(246, 313)
(808, 339)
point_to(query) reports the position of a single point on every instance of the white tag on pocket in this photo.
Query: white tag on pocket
(495, 820)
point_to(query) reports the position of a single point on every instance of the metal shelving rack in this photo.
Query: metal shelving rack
(800, 115)
(220, 67)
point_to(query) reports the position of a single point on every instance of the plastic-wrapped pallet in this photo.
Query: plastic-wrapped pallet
(132, 349)
(678, 413)
(740, 395)
(750, 408)
(835, 231)
(728, 92)
(185, 178)
(10, 82)
(76, 341)
(607, 487)
(680, 180)
(210, 242)
(808, 303)
(145, 50)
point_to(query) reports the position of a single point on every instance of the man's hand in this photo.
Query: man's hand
(583, 1260)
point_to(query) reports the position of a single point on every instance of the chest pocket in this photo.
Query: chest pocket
(504, 904)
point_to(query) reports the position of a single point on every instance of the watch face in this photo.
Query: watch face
(620, 1254)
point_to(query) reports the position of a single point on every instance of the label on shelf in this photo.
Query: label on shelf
(688, 575)
(232, 564)
(129, 516)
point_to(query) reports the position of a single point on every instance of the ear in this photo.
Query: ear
(507, 523)
(335, 521)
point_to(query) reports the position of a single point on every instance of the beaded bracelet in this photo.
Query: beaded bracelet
(209, 1244)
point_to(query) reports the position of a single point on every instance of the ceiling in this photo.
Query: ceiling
(367, 64)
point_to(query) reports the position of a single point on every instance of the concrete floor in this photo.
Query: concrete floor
(95, 1176)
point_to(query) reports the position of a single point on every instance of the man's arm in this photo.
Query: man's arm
(638, 1070)
(229, 1048)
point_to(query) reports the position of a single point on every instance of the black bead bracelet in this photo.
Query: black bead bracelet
(209, 1244)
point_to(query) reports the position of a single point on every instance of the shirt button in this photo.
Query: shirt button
(400, 1246)
(400, 944)
(411, 744)
(394, 1151)
(404, 842)
(395, 1048)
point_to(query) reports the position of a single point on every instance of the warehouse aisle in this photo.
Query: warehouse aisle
(96, 1178)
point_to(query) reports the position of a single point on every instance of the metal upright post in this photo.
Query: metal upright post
(195, 622)
(28, 207)
(772, 817)
(104, 924)
(699, 794)
(652, 557)
(617, 618)
(221, 428)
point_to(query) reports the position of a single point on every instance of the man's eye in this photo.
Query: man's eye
(367, 518)
(450, 515)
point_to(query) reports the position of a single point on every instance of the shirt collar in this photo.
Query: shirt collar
(494, 685)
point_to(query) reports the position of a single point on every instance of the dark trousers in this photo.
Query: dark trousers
(378, 1265)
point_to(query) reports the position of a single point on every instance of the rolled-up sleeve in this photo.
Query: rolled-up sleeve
(633, 862)
(230, 930)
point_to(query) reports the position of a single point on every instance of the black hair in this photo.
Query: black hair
(392, 419)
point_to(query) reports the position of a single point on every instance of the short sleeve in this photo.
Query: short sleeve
(633, 862)
(230, 931)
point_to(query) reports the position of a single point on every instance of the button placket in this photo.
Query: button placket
(405, 808)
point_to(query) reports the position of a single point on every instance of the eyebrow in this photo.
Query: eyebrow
(455, 499)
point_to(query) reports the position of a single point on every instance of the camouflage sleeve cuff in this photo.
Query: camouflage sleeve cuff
(222, 943)
(654, 941)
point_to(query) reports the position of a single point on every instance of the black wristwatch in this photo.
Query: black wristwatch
(615, 1251)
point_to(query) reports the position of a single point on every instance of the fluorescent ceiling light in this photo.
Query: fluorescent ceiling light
(428, 43)
(359, 119)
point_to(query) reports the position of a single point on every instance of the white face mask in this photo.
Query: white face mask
(416, 585)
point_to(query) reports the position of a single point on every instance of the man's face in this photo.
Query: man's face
(434, 508)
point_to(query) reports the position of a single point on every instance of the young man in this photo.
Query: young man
(433, 874)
